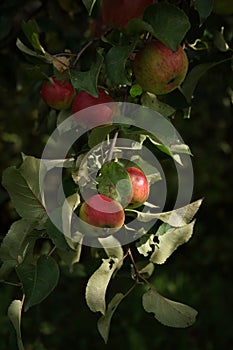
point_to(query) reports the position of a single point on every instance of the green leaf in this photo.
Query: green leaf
(89, 4)
(193, 78)
(170, 24)
(56, 236)
(97, 285)
(38, 280)
(87, 81)
(219, 41)
(31, 30)
(115, 64)
(14, 314)
(14, 245)
(204, 8)
(176, 218)
(152, 101)
(170, 241)
(168, 312)
(98, 135)
(104, 322)
(28, 51)
(114, 182)
(23, 187)
(138, 26)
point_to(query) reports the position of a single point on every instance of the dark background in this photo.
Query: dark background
(199, 273)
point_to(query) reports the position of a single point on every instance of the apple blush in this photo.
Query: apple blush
(58, 94)
(158, 69)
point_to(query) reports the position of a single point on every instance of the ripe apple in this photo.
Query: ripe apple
(223, 7)
(117, 13)
(140, 186)
(158, 69)
(101, 114)
(57, 94)
(102, 211)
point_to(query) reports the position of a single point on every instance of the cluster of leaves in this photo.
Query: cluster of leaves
(34, 249)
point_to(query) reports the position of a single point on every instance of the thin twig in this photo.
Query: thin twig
(138, 273)
(81, 52)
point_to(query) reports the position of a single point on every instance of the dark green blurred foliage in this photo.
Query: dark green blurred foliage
(199, 273)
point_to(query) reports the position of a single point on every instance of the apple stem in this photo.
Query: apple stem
(113, 144)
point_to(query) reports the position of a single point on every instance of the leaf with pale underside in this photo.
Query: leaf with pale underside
(177, 217)
(14, 314)
(97, 285)
(168, 312)
(104, 322)
(170, 241)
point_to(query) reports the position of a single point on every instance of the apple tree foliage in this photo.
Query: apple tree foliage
(103, 57)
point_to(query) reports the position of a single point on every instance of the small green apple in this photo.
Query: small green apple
(160, 70)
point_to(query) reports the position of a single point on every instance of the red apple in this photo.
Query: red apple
(160, 70)
(102, 211)
(57, 94)
(140, 186)
(101, 114)
(117, 13)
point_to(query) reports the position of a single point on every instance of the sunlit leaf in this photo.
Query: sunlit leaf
(112, 248)
(168, 312)
(145, 244)
(38, 280)
(170, 241)
(14, 314)
(170, 24)
(97, 285)
(104, 322)
(177, 217)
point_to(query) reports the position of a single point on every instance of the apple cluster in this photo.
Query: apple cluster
(105, 212)
(155, 67)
